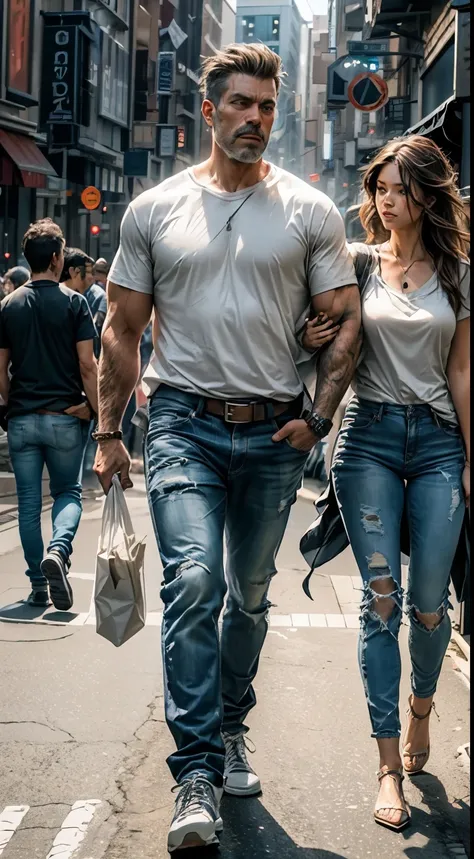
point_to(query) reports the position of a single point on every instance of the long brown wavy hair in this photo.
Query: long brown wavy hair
(425, 172)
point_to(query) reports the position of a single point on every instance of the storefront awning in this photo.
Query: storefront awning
(28, 158)
(443, 125)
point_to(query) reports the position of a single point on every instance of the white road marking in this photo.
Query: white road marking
(280, 620)
(10, 819)
(352, 621)
(155, 618)
(73, 829)
(318, 620)
(335, 621)
(300, 620)
(87, 577)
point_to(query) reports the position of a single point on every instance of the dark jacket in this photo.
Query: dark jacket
(326, 538)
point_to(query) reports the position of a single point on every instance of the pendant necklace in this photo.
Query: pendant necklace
(404, 270)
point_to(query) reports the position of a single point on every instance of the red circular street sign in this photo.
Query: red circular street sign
(367, 92)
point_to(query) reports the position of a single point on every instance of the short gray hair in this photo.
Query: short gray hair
(256, 60)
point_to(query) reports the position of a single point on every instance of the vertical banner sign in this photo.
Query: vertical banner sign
(60, 79)
(166, 70)
(168, 139)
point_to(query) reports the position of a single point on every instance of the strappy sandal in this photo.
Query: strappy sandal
(409, 756)
(396, 827)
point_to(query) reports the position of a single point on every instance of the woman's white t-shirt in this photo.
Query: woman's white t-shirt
(407, 339)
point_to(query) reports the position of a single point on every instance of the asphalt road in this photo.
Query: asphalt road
(83, 738)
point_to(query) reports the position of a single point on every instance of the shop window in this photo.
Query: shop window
(19, 45)
(114, 81)
(437, 83)
(261, 28)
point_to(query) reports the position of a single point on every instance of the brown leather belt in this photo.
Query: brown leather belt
(47, 412)
(244, 413)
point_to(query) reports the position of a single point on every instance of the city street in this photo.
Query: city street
(83, 738)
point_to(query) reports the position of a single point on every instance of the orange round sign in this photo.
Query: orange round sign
(367, 92)
(90, 197)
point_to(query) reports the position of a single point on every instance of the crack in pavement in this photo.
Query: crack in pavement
(131, 766)
(41, 725)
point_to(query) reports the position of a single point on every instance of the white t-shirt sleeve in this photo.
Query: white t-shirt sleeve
(330, 263)
(464, 311)
(132, 266)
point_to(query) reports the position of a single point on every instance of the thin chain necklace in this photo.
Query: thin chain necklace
(404, 270)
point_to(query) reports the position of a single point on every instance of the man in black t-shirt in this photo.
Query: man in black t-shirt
(48, 379)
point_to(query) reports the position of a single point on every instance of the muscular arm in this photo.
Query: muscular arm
(338, 359)
(127, 317)
(88, 369)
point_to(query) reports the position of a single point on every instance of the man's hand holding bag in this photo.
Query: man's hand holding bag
(119, 592)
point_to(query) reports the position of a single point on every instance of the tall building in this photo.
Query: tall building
(168, 131)
(282, 27)
(64, 117)
(26, 175)
(100, 93)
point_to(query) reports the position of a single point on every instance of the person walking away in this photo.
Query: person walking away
(231, 253)
(46, 338)
(15, 277)
(404, 446)
(101, 271)
(78, 274)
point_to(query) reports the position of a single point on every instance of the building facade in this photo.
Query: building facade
(88, 99)
(282, 27)
(422, 51)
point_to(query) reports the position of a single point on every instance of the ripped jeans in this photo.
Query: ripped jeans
(205, 478)
(389, 457)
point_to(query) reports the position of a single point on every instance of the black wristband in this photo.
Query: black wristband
(107, 436)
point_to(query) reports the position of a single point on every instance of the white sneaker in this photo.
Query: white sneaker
(196, 819)
(239, 777)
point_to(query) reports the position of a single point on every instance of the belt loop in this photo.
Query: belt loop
(201, 407)
(435, 417)
(269, 410)
(380, 412)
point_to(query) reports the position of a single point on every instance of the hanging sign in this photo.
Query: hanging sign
(367, 92)
(90, 197)
(166, 71)
(60, 79)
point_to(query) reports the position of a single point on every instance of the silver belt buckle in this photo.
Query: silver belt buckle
(228, 411)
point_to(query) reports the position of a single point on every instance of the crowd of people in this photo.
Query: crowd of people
(255, 293)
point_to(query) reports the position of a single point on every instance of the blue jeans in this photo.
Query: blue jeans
(390, 457)
(205, 478)
(56, 441)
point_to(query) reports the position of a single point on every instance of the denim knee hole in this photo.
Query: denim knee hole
(429, 621)
(383, 597)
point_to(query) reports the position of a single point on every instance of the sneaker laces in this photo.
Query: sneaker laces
(193, 793)
(236, 757)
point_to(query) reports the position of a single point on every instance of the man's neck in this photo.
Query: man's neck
(221, 172)
(45, 275)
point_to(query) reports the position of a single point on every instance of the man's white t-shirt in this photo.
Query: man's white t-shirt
(228, 302)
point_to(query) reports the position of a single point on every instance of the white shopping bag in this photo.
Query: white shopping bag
(119, 591)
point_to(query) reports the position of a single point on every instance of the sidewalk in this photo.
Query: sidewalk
(310, 727)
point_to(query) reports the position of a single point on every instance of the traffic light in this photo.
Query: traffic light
(95, 230)
(104, 209)
(7, 255)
